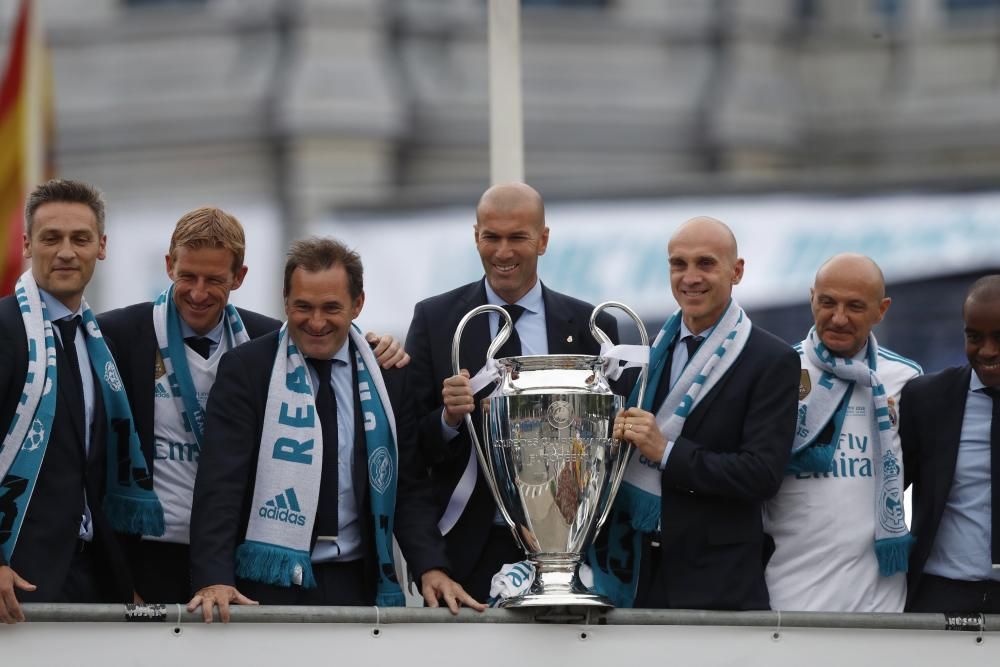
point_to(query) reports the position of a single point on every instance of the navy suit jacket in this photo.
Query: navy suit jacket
(429, 342)
(50, 529)
(223, 491)
(931, 411)
(730, 458)
(136, 360)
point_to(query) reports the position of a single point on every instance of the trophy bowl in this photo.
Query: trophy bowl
(549, 458)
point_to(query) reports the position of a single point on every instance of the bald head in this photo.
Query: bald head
(511, 199)
(703, 269)
(847, 300)
(861, 267)
(704, 229)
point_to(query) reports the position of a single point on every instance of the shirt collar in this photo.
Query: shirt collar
(215, 335)
(531, 302)
(56, 309)
(685, 332)
(343, 355)
(975, 384)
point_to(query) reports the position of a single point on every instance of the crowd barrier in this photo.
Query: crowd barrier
(66, 634)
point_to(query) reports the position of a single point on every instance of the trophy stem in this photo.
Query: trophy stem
(557, 583)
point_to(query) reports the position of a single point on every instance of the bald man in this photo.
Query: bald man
(840, 537)
(950, 424)
(510, 235)
(713, 438)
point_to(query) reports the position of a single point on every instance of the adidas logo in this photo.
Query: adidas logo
(161, 392)
(283, 507)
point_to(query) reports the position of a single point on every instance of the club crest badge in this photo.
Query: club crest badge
(805, 384)
(380, 469)
(893, 416)
(159, 368)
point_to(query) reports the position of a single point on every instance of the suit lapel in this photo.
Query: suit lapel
(559, 325)
(948, 431)
(143, 369)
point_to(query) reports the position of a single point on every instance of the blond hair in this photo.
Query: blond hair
(210, 227)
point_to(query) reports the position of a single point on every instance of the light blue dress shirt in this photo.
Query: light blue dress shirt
(961, 549)
(58, 311)
(348, 544)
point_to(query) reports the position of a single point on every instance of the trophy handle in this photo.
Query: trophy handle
(502, 336)
(619, 472)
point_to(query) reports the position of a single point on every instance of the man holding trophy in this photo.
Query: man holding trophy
(510, 235)
(713, 435)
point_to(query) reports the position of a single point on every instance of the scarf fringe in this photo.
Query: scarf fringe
(134, 516)
(270, 564)
(893, 554)
(814, 458)
(390, 598)
(642, 507)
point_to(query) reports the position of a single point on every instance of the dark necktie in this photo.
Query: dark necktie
(994, 393)
(693, 343)
(67, 332)
(663, 388)
(512, 346)
(200, 344)
(327, 522)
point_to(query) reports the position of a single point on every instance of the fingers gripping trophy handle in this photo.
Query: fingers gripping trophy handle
(619, 472)
(484, 460)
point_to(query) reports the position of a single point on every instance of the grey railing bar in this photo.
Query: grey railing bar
(173, 614)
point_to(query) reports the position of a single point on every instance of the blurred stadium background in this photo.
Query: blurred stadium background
(811, 126)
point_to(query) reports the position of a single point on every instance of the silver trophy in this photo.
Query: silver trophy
(549, 458)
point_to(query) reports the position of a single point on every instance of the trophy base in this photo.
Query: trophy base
(556, 587)
(557, 600)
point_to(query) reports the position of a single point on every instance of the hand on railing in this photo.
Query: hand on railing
(218, 594)
(10, 610)
(435, 586)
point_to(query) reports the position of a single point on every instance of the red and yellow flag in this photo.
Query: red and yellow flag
(27, 124)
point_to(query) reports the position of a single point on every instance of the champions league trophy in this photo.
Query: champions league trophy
(549, 457)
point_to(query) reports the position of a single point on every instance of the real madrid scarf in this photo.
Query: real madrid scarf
(130, 504)
(277, 552)
(636, 508)
(170, 341)
(828, 400)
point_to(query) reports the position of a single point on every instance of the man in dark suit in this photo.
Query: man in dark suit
(732, 450)
(949, 425)
(65, 551)
(323, 295)
(510, 235)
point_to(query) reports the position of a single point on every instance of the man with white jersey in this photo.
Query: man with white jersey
(840, 539)
(168, 353)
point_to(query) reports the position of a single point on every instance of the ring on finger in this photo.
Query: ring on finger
(628, 427)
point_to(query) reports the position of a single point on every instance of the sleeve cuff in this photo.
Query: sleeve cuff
(448, 432)
(666, 454)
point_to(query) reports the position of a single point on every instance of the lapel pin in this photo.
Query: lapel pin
(569, 339)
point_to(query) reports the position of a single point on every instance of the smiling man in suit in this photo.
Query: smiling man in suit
(56, 541)
(510, 235)
(950, 432)
(713, 436)
(307, 443)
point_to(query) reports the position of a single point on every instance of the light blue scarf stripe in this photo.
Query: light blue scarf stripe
(21, 476)
(130, 504)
